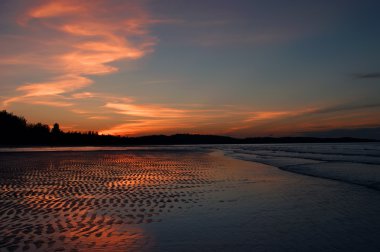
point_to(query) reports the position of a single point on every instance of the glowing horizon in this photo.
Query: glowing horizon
(239, 68)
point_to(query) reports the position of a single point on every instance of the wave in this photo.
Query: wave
(357, 163)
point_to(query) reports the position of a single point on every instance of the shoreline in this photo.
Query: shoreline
(21, 148)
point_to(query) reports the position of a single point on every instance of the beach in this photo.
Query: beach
(177, 199)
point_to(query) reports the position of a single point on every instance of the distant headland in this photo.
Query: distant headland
(16, 131)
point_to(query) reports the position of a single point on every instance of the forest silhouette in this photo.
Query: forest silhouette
(16, 131)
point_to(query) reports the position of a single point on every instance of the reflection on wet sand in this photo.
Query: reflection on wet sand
(95, 200)
(176, 200)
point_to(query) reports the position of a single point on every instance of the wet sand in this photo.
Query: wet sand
(167, 200)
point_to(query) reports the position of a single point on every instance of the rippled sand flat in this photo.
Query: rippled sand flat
(82, 200)
(168, 200)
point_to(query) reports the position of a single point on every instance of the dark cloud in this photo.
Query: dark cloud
(344, 107)
(373, 75)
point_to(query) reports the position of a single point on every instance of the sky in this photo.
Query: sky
(230, 67)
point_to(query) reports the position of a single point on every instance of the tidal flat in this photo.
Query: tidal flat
(177, 199)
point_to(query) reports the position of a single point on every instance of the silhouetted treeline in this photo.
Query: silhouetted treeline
(16, 131)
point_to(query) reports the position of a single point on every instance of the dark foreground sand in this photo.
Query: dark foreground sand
(152, 200)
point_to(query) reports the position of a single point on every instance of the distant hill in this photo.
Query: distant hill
(16, 131)
(369, 133)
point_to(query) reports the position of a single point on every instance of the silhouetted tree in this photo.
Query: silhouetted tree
(38, 133)
(12, 128)
(56, 134)
(56, 130)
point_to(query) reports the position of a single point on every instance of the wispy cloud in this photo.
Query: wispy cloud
(145, 110)
(342, 107)
(59, 85)
(344, 115)
(140, 119)
(372, 75)
(142, 127)
(72, 43)
(49, 100)
(82, 38)
(269, 115)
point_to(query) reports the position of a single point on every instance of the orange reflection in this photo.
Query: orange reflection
(99, 200)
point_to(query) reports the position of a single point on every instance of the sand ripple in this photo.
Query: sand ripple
(95, 200)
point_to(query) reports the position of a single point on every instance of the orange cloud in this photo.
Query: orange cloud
(57, 8)
(259, 116)
(79, 39)
(99, 117)
(280, 123)
(145, 127)
(157, 119)
(59, 85)
(142, 119)
(146, 110)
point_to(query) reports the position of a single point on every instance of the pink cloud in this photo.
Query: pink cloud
(78, 39)
(316, 118)
(145, 127)
(59, 85)
(146, 110)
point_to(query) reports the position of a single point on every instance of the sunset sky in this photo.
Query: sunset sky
(229, 67)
